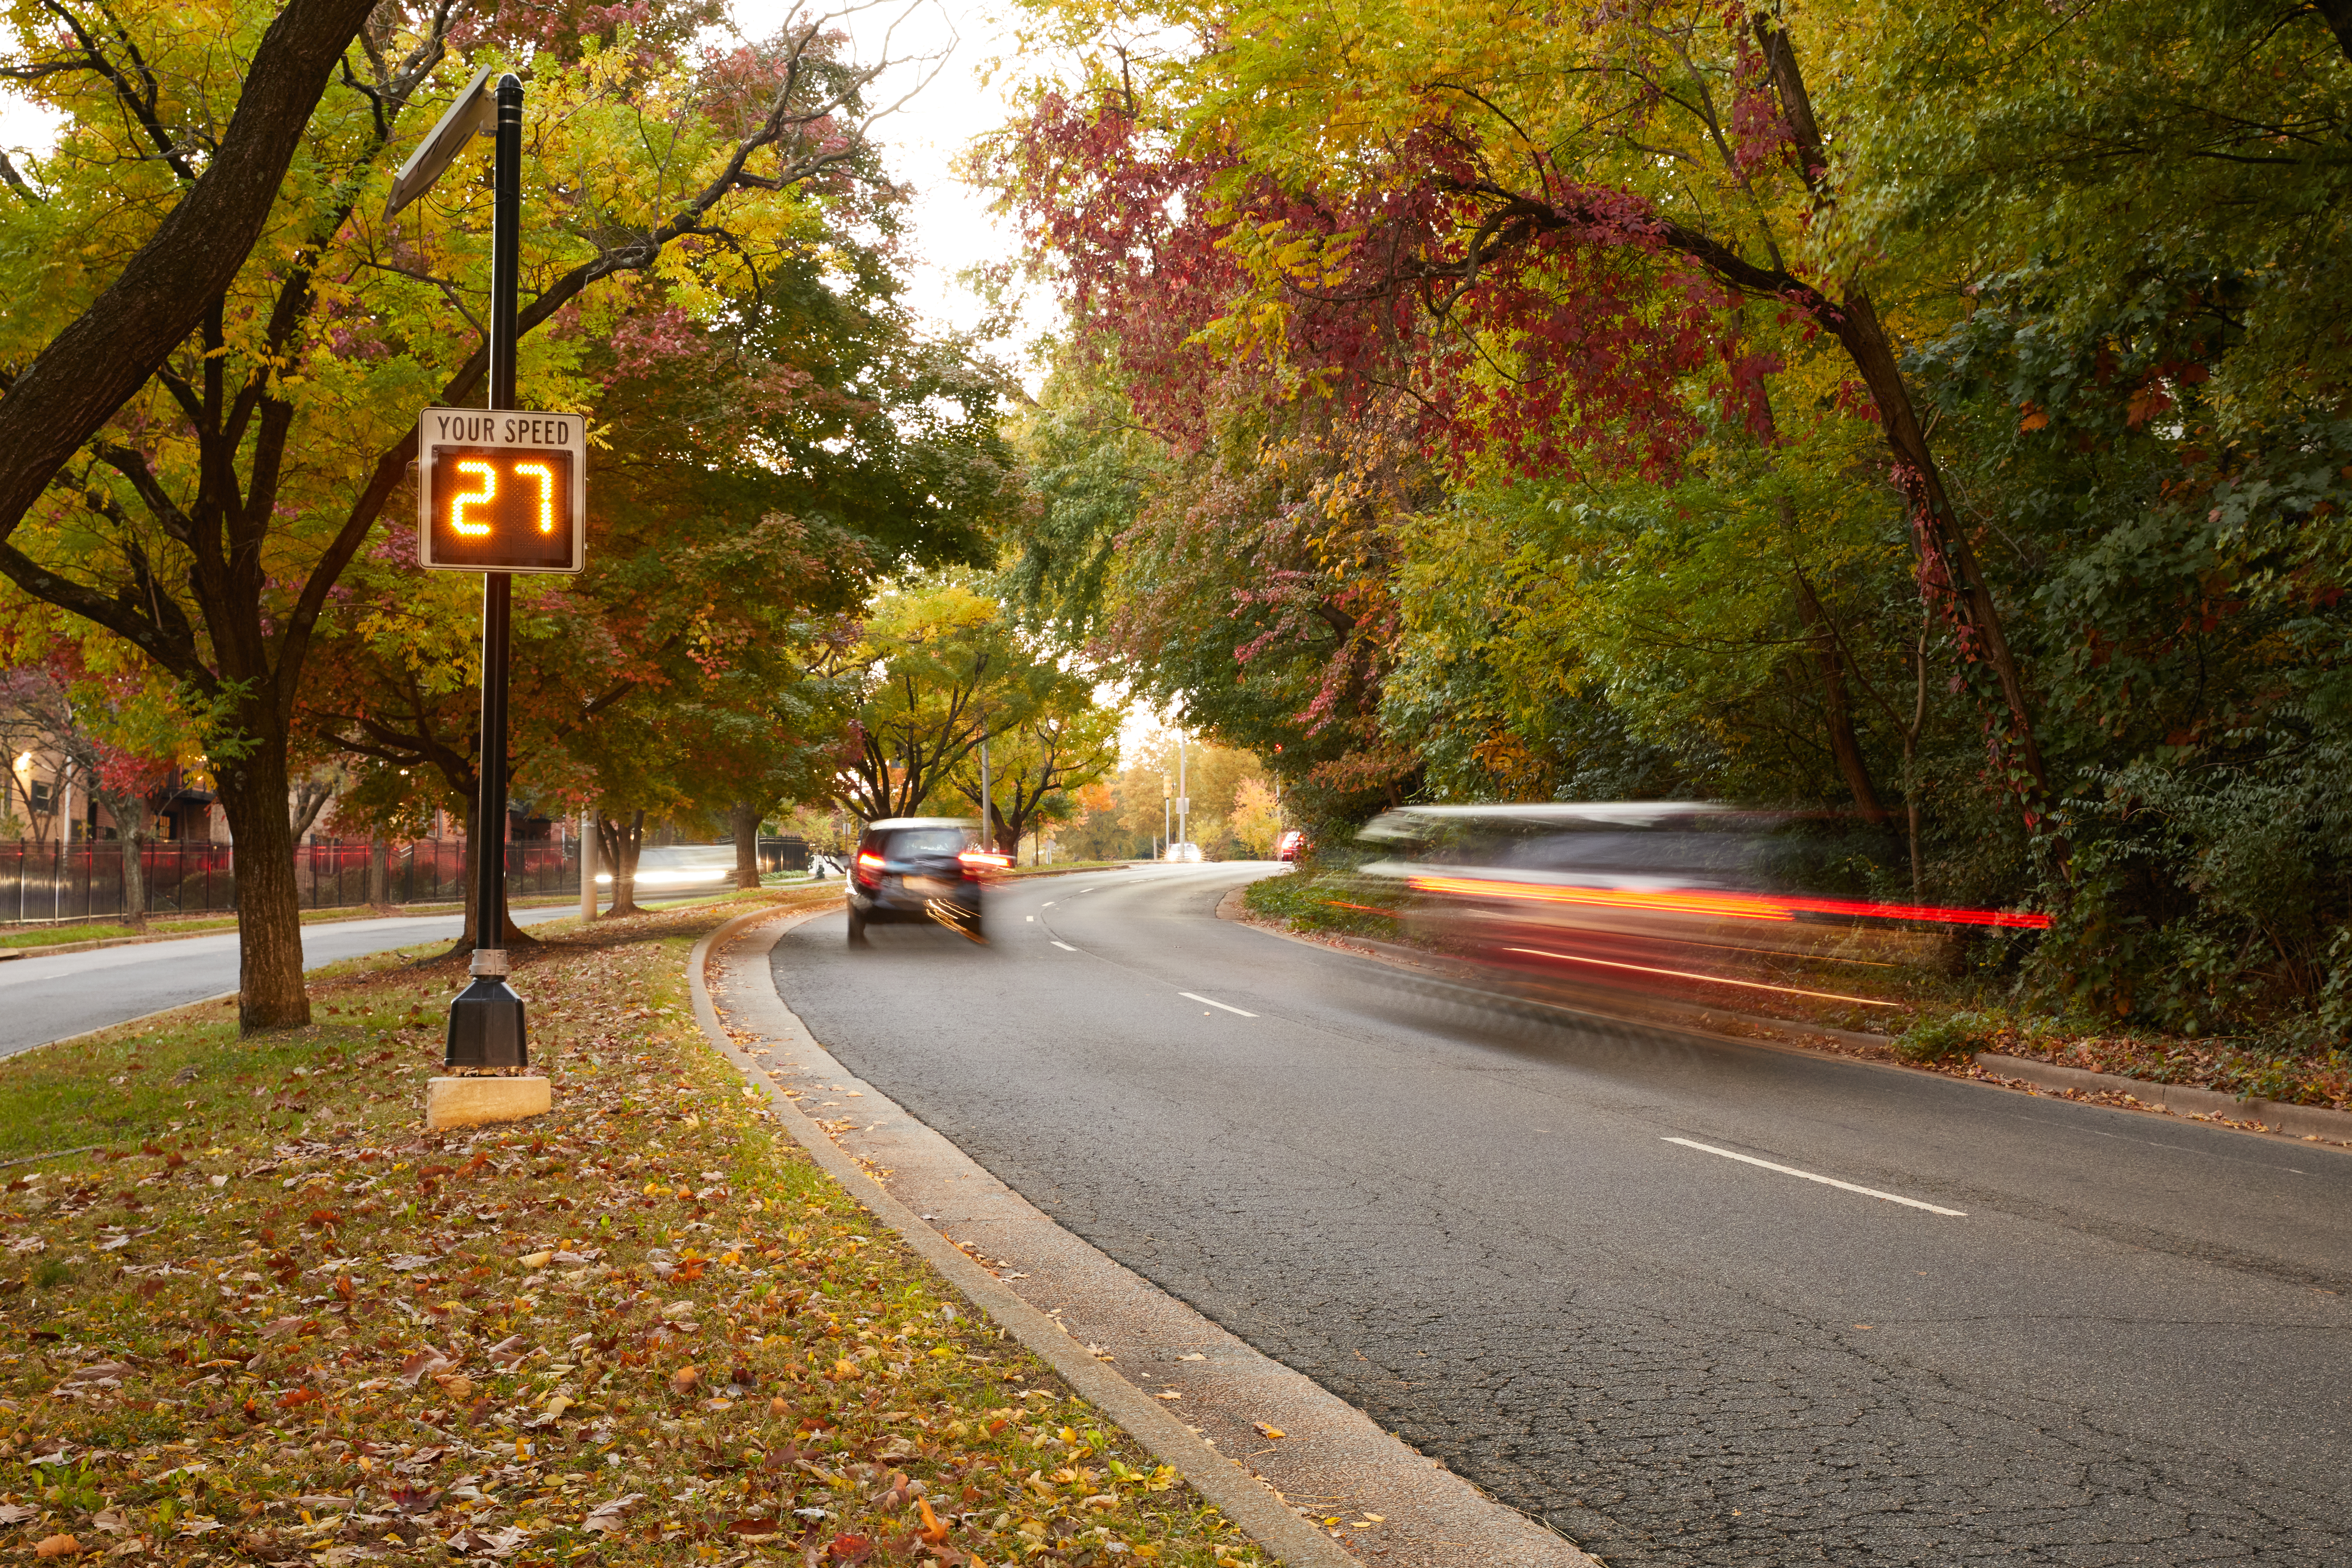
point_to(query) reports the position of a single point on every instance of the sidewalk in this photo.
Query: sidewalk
(269, 1319)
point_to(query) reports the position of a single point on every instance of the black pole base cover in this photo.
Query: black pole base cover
(485, 1026)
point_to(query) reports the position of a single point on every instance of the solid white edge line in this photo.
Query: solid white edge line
(1825, 1180)
(1065, 946)
(1211, 1002)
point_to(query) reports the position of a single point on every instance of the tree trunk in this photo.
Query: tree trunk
(378, 893)
(270, 995)
(1837, 706)
(1949, 570)
(96, 364)
(617, 846)
(1949, 576)
(130, 826)
(745, 819)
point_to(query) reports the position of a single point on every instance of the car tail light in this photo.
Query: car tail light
(976, 859)
(869, 868)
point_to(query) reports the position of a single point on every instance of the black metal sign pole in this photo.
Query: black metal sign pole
(486, 1022)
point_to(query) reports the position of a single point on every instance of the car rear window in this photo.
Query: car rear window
(911, 842)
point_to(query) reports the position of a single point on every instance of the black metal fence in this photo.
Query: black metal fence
(57, 883)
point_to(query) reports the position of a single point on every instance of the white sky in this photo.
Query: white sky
(959, 45)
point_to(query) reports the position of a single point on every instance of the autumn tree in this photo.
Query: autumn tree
(120, 734)
(1038, 762)
(211, 521)
(1934, 411)
(1574, 221)
(938, 666)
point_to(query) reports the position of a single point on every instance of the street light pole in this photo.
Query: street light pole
(486, 1021)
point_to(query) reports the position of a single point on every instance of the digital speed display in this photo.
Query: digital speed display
(500, 491)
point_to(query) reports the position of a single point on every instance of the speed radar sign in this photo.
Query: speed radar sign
(501, 490)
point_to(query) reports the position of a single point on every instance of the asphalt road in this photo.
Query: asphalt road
(45, 999)
(2130, 1346)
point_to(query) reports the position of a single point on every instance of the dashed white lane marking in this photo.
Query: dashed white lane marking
(1065, 946)
(1212, 1001)
(1825, 1180)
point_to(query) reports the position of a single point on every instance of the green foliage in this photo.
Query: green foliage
(1948, 1037)
(1325, 898)
(1575, 560)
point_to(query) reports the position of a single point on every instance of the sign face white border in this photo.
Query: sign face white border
(520, 428)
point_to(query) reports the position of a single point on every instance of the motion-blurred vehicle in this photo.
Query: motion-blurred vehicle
(1187, 854)
(1290, 845)
(667, 867)
(909, 869)
(1604, 904)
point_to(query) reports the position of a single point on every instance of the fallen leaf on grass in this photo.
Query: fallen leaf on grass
(487, 1542)
(605, 1517)
(57, 1546)
(17, 1514)
(683, 1380)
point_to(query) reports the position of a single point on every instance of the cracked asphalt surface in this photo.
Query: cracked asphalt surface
(2131, 1348)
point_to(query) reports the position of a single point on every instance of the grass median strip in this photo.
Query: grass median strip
(270, 1319)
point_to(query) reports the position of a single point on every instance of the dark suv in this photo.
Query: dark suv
(914, 869)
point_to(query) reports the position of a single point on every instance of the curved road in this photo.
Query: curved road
(2127, 1346)
(45, 999)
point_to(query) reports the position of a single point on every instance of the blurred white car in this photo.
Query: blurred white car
(681, 866)
(1188, 853)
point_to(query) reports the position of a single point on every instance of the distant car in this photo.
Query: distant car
(908, 869)
(1290, 845)
(1187, 853)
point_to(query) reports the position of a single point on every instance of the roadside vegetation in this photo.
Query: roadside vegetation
(267, 1319)
(1927, 415)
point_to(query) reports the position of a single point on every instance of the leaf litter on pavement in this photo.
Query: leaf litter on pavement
(272, 1319)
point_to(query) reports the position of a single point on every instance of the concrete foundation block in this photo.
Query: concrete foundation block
(476, 1101)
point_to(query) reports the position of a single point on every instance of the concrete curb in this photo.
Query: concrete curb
(2295, 1121)
(1219, 1479)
